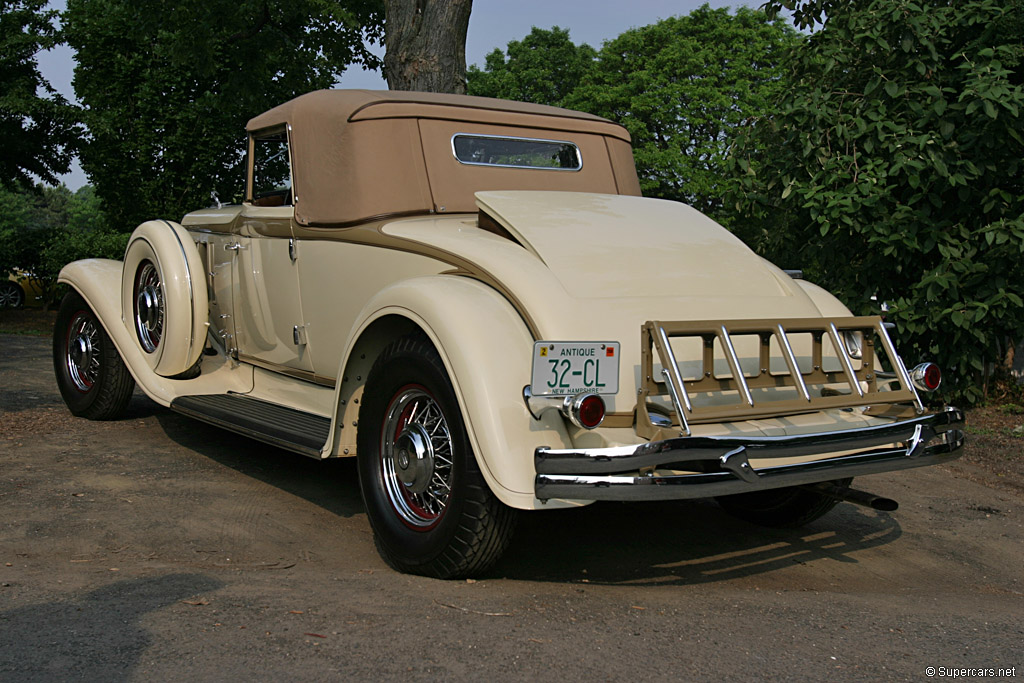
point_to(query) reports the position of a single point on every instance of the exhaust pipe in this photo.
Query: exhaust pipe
(855, 496)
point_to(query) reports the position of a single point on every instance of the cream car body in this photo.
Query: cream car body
(392, 223)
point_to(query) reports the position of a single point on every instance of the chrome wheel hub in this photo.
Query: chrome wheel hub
(416, 458)
(81, 357)
(149, 307)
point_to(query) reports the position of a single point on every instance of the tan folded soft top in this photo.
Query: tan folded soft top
(363, 154)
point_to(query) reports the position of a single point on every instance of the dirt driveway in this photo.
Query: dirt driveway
(157, 548)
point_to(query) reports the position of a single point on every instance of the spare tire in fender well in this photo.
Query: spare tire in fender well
(164, 296)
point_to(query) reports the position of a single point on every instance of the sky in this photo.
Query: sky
(492, 23)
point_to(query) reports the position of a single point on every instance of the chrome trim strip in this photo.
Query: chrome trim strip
(188, 276)
(613, 473)
(843, 353)
(734, 365)
(706, 485)
(790, 357)
(901, 369)
(304, 375)
(679, 385)
(675, 400)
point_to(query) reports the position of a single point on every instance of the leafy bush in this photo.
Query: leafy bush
(681, 87)
(894, 168)
(45, 228)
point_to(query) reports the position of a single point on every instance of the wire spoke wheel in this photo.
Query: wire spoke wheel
(431, 510)
(91, 376)
(416, 457)
(149, 306)
(81, 355)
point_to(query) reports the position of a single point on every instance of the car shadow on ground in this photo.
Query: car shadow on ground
(94, 637)
(684, 542)
(331, 484)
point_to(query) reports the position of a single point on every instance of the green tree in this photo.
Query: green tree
(19, 242)
(545, 67)
(681, 87)
(44, 228)
(893, 168)
(168, 88)
(38, 129)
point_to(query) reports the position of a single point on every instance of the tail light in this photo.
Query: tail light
(926, 377)
(584, 410)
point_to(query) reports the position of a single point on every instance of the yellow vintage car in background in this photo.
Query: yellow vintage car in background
(471, 297)
(21, 288)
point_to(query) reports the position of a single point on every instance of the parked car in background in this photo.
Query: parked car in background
(471, 297)
(20, 289)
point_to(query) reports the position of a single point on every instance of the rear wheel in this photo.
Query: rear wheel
(431, 511)
(92, 378)
(786, 507)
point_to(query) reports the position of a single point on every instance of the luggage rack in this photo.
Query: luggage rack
(848, 386)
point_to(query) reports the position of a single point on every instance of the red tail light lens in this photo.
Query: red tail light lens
(591, 411)
(926, 377)
(584, 410)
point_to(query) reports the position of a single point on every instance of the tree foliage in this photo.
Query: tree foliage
(893, 168)
(168, 88)
(545, 67)
(681, 87)
(44, 228)
(38, 129)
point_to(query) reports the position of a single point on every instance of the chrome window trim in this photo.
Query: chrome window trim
(579, 153)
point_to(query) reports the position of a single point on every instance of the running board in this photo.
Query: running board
(277, 425)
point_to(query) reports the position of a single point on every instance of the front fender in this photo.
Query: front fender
(487, 350)
(99, 283)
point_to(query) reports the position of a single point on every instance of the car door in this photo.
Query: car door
(265, 292)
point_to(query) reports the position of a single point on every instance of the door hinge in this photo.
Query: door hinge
(292, 251)
(299, 335)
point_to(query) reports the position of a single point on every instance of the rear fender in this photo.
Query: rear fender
(486, 349)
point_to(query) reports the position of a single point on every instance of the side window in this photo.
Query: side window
(272, 176)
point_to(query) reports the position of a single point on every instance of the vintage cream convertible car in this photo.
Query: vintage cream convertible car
(471, 297)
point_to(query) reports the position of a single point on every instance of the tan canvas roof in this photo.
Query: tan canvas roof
(357, 105)
(360, 154)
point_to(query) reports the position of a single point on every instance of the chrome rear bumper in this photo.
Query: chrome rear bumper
(720, 465)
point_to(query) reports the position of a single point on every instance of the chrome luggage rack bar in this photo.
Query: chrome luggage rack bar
(864, 385)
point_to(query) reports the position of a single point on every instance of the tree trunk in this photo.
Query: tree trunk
(426, 44)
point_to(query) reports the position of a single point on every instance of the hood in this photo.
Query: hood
(614, 246)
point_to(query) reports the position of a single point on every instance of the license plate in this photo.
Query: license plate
(569, 368)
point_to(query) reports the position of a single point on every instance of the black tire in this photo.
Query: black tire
(789, 507)
(192, 372)
(92, 378)
(11, 294)
(417, 528)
